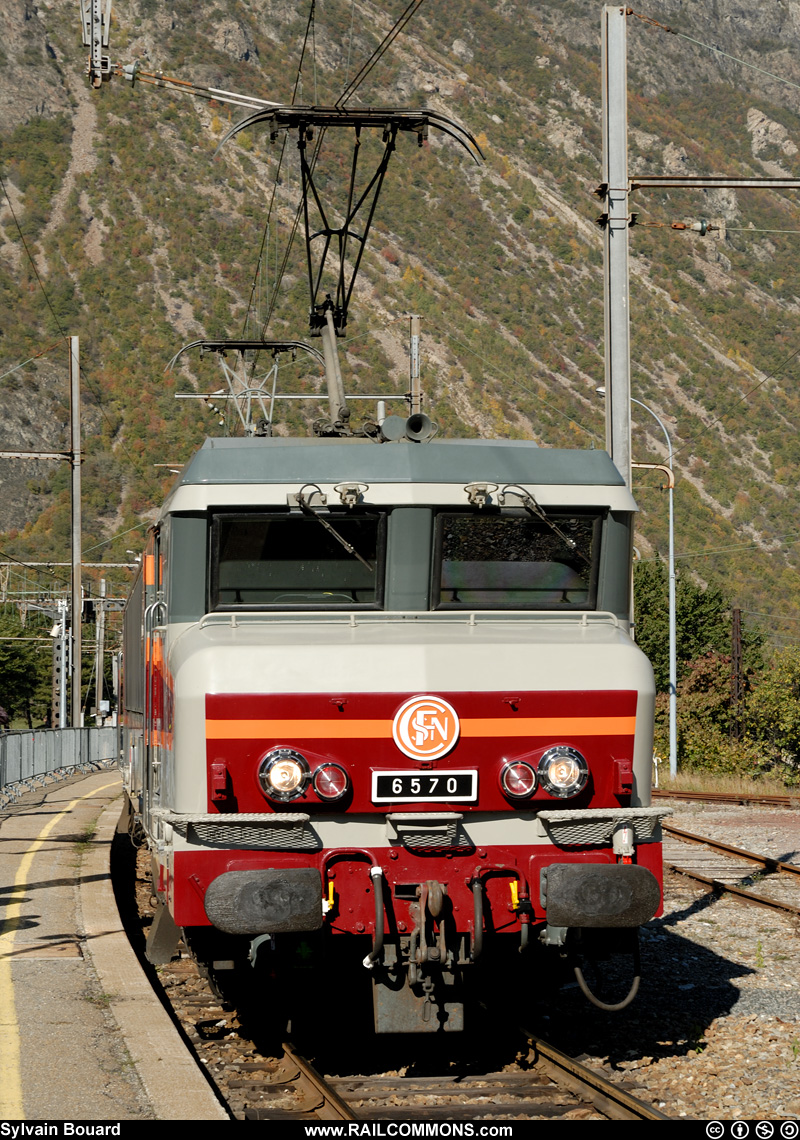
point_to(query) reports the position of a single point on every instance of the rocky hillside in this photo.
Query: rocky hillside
(121, 223)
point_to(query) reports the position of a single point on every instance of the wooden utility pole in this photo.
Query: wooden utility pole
(737, 677)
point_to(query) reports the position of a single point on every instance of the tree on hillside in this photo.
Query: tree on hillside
(24, 670)
(704, 720)
(773, 709)
(705, 692)
(702, 621)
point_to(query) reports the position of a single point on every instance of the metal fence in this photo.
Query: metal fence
(28, 759)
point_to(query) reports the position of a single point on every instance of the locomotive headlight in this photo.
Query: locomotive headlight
(563, 772)
(518, 780)
(283, 774)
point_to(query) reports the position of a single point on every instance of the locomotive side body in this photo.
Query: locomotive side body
(383, 700)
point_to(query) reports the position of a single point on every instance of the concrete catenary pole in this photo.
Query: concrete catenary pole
(100, 634)
(415, 388)
(76, 611)
(615, 229)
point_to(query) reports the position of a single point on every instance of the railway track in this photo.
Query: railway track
(452, 1081)
(549, 1089)
(741, 873)
(541, 1084)
(544, 1084)
(789, 800)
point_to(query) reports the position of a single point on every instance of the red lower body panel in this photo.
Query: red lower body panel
(507, 875)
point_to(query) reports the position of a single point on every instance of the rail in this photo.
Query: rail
(28, 759)
(613, 1101)
(316, 1093)
(766, 861)
(790, 800)
(720, 886)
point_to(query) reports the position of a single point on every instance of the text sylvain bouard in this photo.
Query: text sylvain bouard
(17, 1130)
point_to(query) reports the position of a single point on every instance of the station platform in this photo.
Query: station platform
(83, 1037)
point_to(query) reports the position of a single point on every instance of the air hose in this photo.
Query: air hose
(632, 992)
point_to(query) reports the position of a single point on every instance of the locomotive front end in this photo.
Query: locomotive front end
(401, 721)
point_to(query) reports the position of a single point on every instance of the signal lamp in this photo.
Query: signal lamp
(330, 782)
(283, 774)
(563, 772)
(518, 780)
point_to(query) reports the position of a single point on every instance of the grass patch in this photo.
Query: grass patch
(101, 999)
(85, 837)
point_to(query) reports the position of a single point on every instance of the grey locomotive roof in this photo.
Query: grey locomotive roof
(241, 461)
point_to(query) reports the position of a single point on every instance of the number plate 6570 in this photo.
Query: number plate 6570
(460, 786)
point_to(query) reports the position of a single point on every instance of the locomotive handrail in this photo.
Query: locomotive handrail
(234, 619)
(151, 627)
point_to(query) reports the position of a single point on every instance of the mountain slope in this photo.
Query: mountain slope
(144, 238)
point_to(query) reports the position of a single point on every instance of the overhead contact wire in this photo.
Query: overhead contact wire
(710, 47)
(771, 376)
(309, 25)
(380, 50)
(31, 259)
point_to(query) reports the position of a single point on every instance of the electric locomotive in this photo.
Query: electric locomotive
(382, 704)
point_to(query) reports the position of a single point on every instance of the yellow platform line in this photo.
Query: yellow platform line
(10, 1075)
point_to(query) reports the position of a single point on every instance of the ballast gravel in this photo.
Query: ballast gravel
(714, 1032)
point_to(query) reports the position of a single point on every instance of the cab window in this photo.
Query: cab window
(515, 561)
(287, 561)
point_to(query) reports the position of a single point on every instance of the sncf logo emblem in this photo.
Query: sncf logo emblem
(425, 728)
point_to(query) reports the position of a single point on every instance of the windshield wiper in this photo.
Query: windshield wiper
(307, 509)
(529, 503)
